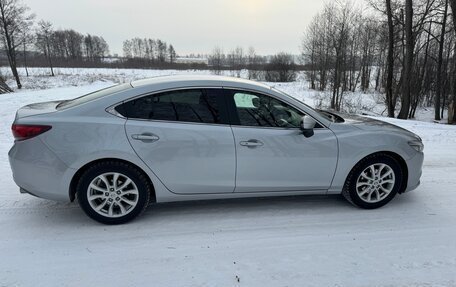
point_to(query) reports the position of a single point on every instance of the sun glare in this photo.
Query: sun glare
(253, 6)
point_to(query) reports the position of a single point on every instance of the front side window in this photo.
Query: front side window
(196, 105)
(264, 111)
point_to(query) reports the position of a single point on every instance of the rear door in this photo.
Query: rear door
(184, 138)
(272, 153)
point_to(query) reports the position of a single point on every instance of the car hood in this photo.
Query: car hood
(370, 124)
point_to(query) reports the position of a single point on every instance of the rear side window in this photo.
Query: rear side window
(194, 105)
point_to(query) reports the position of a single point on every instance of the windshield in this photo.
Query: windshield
(290, 97)
(325, 114)
(92, 96)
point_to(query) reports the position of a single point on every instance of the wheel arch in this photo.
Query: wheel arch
(395, 156)
(81, 170)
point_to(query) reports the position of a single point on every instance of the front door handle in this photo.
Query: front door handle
(145, 137)
(251, 143)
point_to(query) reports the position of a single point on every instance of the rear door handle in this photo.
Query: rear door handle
(251, 143)
(145, 137)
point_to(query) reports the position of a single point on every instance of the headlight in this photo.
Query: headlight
(417, 145)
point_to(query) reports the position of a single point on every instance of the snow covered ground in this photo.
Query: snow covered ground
(291, 241)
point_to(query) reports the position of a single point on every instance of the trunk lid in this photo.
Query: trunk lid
(37, 109)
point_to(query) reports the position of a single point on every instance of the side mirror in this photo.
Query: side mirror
(307, 126)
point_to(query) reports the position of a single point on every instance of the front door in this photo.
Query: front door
(272, 153)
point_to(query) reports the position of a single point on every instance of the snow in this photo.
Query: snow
(289, 241)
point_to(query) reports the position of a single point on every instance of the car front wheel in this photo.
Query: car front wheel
(113, 192)
(373, 182)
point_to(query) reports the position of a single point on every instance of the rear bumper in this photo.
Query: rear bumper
(38, 171)
(415, 169)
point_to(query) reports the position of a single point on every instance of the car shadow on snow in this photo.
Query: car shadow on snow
(331, 206)
(269, 206)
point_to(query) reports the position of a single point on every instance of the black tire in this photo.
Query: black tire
(350, 192)
(133, 173)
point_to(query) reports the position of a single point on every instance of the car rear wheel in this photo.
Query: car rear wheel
(113, 192)
(373, 182)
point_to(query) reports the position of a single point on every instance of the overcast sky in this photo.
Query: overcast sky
(192, 26)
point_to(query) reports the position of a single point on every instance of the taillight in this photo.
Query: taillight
(23, 132)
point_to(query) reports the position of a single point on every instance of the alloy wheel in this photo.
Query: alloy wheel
(375, 183)
(112, 194)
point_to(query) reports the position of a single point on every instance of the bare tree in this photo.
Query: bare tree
(127, 49)
(161, 51)
(43, 41)
(452, 108)
(14, 20)
(138, 48)
(73, 44)
(27, 37)
(414, 25)
(231, 62)
(438, 93)
(343, 50)
(390, 62)
(95, 48)
(254, 63)
(239, 60)
(281, 68)
(309, 51)
(343, 16)
(216, 60)
(153, 50)
(408, 60)
(172, 54)
(340, 46)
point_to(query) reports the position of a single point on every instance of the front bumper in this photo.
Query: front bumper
(415, 170)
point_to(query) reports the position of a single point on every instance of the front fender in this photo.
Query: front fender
(355, 144)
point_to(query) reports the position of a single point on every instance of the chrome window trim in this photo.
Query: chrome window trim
(111, 109)
(174, 122)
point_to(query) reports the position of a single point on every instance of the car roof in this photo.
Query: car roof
(198, 80)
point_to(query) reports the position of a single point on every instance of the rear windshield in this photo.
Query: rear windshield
(93, 96)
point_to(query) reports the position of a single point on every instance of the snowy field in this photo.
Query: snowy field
(290, 241)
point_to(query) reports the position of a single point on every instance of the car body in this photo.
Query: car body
(202, 137)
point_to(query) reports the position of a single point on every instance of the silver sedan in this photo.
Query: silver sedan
(203, 137)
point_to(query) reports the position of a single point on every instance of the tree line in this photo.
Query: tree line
(280, 67)
(29, 43)
(403, 49)
(67, 46)
(148, 50)
(24, 39)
